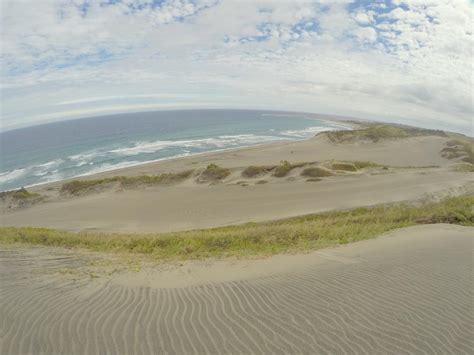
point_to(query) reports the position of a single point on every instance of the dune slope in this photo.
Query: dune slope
(407, 292)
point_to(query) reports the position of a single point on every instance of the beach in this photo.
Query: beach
(408, 169)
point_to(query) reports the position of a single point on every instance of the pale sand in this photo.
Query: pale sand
(190, 205)
(409, 291)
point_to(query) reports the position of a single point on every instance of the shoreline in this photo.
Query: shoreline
(281, 141)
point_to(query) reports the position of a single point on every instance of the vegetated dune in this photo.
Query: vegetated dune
(223, 188)
(407, 292)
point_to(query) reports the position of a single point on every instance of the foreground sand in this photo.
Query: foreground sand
(191, 205)
(410, 291)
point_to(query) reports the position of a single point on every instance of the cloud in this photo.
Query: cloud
(405, 61)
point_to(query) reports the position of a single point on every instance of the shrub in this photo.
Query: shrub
(254, 171)
(283, 169)
(316, 172)
(214, 172)
(459, 149)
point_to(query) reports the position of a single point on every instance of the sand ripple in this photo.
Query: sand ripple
(406, 294)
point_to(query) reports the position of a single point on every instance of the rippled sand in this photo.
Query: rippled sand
(407, 292)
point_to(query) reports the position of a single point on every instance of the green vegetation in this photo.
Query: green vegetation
(316, 172)
(21, 195)
(376, 132)
(254, 171)
(24, 194)
(457, 148)
(214, 172)
(285, 167)
(77, 187)
(308, 232)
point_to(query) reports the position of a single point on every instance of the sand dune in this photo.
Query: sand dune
(407, 292)
(190, 205)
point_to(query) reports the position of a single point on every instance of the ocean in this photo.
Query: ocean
(56, 151)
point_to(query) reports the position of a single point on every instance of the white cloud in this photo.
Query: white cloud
(410, 62)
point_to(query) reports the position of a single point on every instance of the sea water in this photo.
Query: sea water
(56, 151)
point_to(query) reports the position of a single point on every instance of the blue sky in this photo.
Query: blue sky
(403, 61)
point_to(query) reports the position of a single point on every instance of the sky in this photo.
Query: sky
(400, 61)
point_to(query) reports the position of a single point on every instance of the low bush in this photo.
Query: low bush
(214, 172)
(283, 169)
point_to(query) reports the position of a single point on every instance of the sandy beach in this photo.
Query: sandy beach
(415, 170)
(409, 291)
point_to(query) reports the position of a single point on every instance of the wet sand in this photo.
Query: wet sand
(409, 291)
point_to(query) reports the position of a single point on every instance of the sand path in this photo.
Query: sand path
(410, 291)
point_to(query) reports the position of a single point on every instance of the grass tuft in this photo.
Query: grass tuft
(316, 172)
(21, 194)
(213, 172)
(303, 233)
(77, 187)
(254, 171)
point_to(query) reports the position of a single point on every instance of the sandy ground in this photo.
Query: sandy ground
(409, 291)
(191, 205)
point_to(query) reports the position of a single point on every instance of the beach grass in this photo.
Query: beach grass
(375, 132)
(316, 172)
(254, 171)
(458, 148)
(20, 194)
(77, 187)
(213, 172)
(286, 167)
(305, 233)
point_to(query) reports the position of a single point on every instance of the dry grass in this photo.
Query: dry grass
(255, 171)
(308, 232)
(343, 166)
(316, 172)
(456, 148)
(464, 168)
(213, 172)
(285, 168)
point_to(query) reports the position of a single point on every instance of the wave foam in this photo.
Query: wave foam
(219, 142)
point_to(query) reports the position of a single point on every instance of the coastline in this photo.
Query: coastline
(134, 169)
(130, 168)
